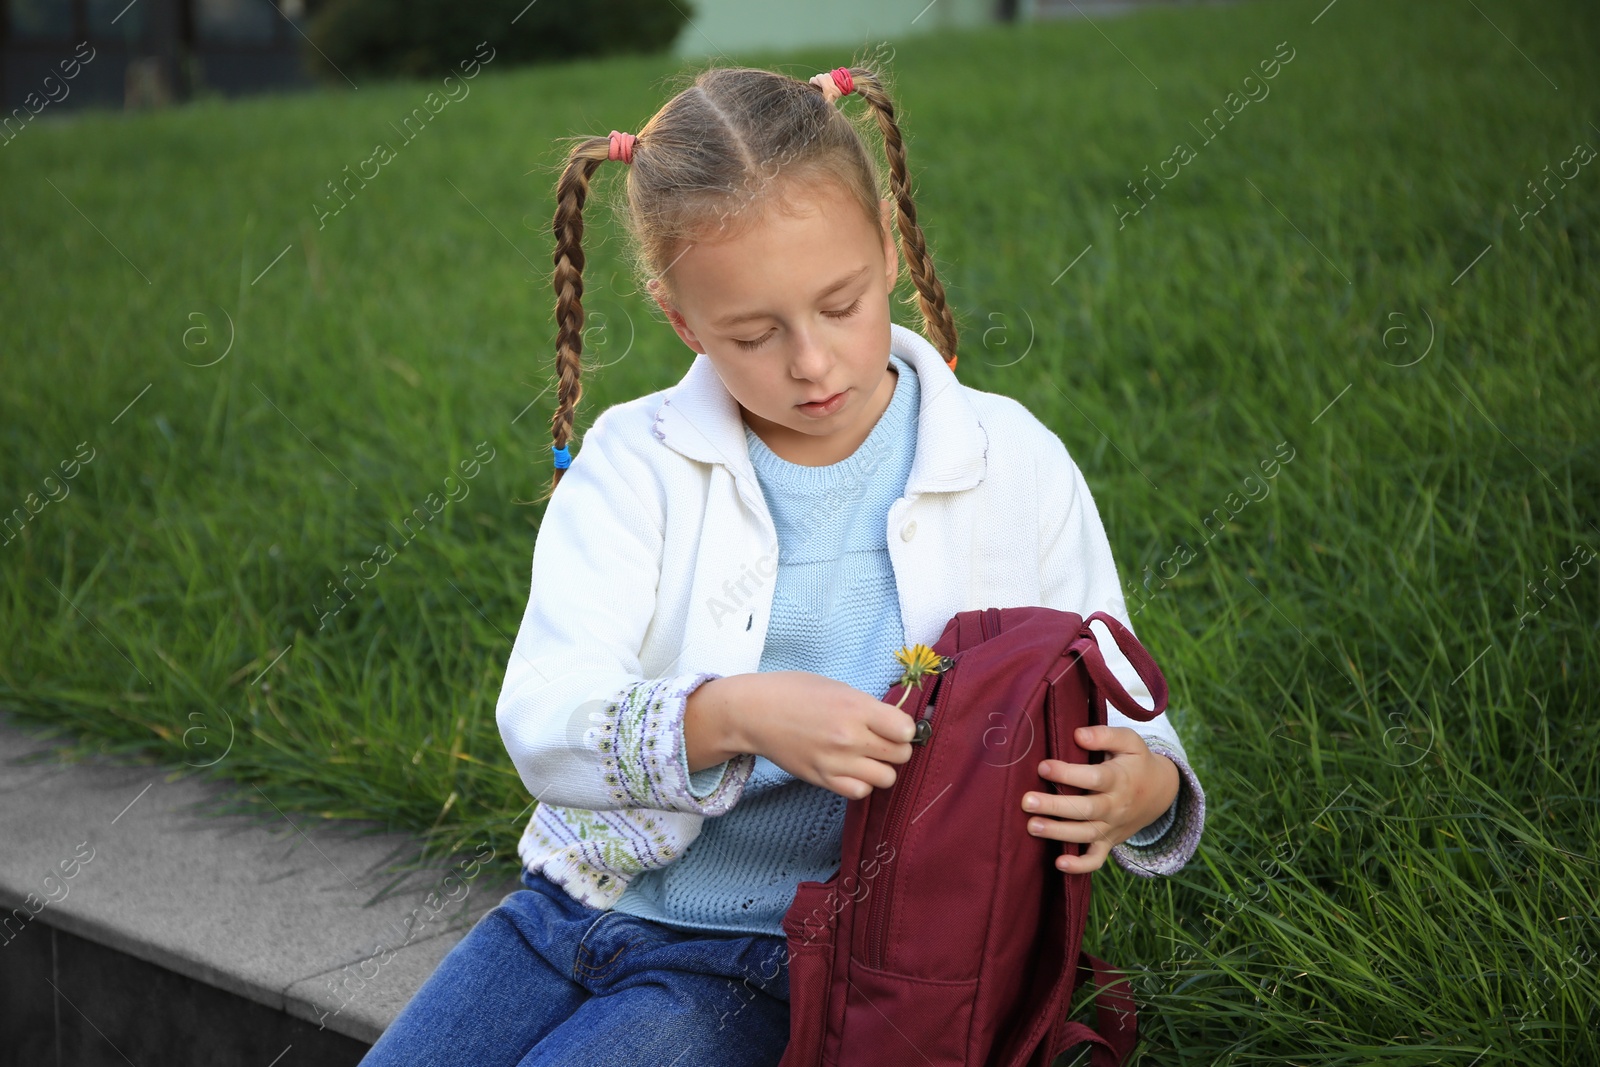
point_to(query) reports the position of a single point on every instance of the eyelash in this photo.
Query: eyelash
(845, 314)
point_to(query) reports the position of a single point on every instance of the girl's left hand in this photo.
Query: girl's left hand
(1127, 790)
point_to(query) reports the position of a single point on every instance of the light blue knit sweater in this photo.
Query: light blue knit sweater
(835, 612)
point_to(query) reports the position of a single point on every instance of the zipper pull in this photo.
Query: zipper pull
(924, 725)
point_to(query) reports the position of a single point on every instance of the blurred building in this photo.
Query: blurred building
(57, 55)
(60, 54)
(725, 26)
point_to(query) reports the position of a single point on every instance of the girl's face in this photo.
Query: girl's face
(792, 310)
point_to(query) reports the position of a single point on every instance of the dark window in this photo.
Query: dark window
(116, 18)
(40, 20)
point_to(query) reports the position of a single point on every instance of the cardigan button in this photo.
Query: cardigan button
(909, 530)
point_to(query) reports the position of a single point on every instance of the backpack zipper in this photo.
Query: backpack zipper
(924, 724)
(878, 910)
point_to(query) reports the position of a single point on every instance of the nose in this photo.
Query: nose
(812, 360)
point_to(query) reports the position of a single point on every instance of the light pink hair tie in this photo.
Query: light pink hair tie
(834, 84)
(622, 146)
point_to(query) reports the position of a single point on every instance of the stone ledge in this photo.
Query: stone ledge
(283, 914)
(53, 982)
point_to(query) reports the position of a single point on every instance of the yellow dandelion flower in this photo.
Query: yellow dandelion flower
(919, 660)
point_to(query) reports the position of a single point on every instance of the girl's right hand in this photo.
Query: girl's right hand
(825, 732)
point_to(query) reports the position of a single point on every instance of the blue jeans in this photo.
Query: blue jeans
(543, 979)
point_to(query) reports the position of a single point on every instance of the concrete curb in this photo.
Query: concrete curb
(278, 913)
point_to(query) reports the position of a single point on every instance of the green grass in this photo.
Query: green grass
(1400, 860)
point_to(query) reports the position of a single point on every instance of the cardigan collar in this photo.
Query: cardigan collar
(701, 419)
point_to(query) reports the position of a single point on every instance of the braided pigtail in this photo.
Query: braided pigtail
(572, 190)
(937, 321)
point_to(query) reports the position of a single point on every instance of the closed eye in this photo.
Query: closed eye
(845, 314)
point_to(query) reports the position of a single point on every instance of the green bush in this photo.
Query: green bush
(429, 37)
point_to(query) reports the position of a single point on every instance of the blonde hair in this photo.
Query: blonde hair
(730, 141)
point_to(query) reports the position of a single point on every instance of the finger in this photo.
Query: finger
(1091, 860)
(1109, 739)
(872, 773)
(1066, 829)
(1090, 776)
(893, 724)
(849, 788)
(1086, 807)
(875, 746)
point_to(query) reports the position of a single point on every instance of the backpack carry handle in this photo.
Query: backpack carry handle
(1107, 683)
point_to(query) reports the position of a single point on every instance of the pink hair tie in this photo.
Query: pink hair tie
(622, 146)
(834, 84)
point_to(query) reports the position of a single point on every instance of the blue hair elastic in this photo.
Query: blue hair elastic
(563, 457)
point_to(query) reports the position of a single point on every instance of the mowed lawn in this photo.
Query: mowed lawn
(1323, 342)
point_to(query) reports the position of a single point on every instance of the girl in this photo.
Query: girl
(720, 581)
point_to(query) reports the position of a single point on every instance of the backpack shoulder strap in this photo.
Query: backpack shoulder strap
(1116, 1018)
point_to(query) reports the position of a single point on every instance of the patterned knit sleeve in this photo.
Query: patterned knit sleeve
(639, 735)
(653, 808)
(1154, 851)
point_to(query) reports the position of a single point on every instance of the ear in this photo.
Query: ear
(675, 318)
(891, 252)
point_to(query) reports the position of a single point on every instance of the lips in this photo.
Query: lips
(825, 408)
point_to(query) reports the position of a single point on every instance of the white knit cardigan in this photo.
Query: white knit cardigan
(653, 571)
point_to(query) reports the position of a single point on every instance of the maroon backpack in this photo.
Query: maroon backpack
(948, 936)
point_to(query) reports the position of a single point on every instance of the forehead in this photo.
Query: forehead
(788, 248)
